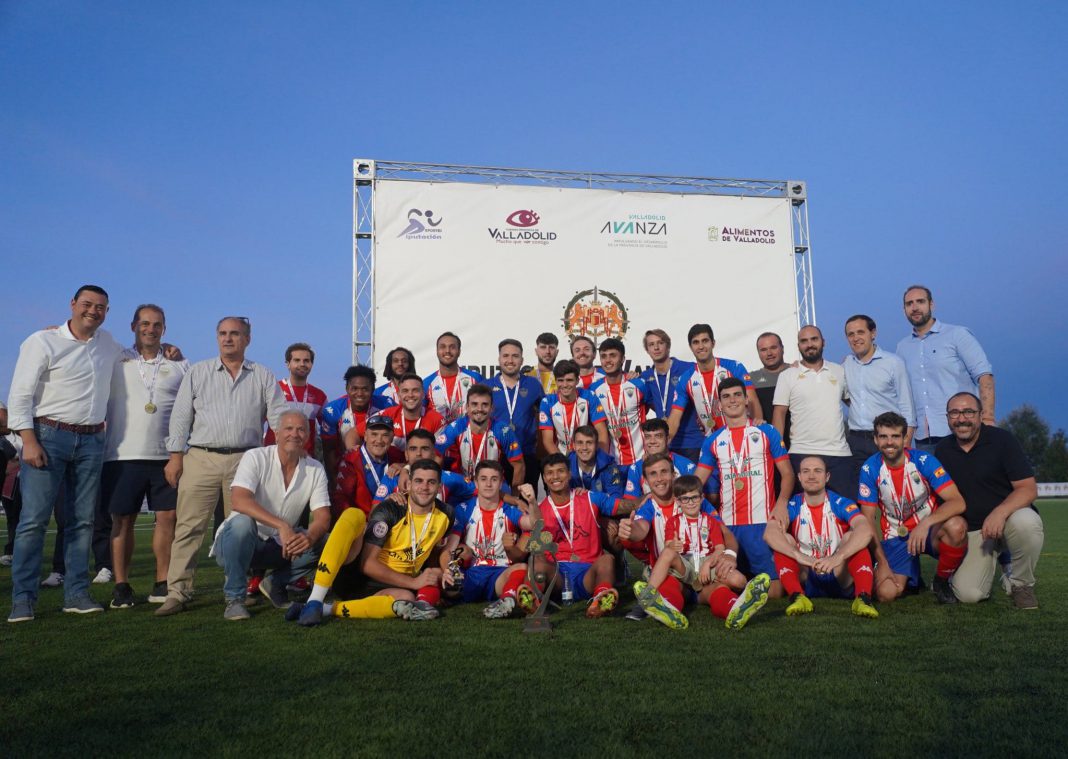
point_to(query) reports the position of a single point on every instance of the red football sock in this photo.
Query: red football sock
(429, 593)
(671, 590)
(511, 585)
(949, 558)
(788, 573)
(860, 570)
(721, 601)
(602, 586)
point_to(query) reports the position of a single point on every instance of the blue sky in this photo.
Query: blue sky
(199, 154)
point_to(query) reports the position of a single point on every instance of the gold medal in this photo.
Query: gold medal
(739, 485)
(150, 407)
(902, 531)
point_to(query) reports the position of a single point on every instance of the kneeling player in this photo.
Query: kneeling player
(487, 528)
(571, 518)
(903, 485)
(825, 552)
(694, 552)
(400, 540)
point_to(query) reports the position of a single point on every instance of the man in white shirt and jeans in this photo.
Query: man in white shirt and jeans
(58, 399)
(269, 492)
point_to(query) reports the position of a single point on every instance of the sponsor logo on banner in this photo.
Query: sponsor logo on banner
(596, 314)
(422, 225)
(526, 232)
(638, 230)
(742, 235)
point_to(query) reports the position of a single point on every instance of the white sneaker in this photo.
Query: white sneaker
(5, 560)
(53, 580)
(103, 577)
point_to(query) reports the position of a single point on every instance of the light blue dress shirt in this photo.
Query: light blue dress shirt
(876, 386)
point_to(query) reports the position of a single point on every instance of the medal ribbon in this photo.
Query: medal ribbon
(568, 531)
(149, 386)
(416, 542)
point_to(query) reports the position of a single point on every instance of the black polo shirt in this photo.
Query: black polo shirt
(984, 475)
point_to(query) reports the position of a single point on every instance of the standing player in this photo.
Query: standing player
(571, 518)
(476, 438)
(661, 379)
(446, 389)
(902, 483)
(656, 435)
(399, 362)
(344, 420)
(698, 388)
(516, 399)
(300, 395)
(623, 401)
(398, 544)
(582, 350)
(743, 457)
(569, 408)
(547, 348)
(824, 553)
(694, 546)
(487, 527)
(410, 414)
(592, 468)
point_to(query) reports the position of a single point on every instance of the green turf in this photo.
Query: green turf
(921, 680)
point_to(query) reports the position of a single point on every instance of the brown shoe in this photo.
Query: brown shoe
(1023, 597)
(170, 607)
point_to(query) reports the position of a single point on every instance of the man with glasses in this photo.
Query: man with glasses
(218, 414)
(998, 484)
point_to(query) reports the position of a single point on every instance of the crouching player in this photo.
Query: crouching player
(487, 528)
(824, 553)
(696, 553)
(571, 518)
(905, 485)
(398, 544)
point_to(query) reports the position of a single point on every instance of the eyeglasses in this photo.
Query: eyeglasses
(689, 498)
(967, 413)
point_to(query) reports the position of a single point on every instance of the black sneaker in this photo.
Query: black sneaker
(122, 597)
(943, 593)
(636, 613)
(159, 593)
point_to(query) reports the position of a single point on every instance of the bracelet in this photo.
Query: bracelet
(730, 552)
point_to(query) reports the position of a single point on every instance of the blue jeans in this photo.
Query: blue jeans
(74, 461)
(239, 545)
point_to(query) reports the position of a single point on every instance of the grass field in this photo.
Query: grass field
(922, 679)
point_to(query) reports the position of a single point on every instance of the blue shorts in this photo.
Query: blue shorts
(575, 571)
(479, 583)
(902, 562)
(754, 555)
(825, 586)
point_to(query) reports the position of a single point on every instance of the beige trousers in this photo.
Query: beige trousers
(1023, 538)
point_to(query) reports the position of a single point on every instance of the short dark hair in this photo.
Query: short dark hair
(554, 458)
(426, 464)
(656, 458)
(867, 320)
(408, 377)
(890, 419)
(360, 371)
(685, 484)
(489, 464)
(480, 389)
(420, 434)
(547, 338)
(762, 335)
(509, 341)
(910, 288)
(612, 344)
(299, 347)
(727, 384)
(453, 335)
(587, 430)
(655, 425)
(973, 396)
(142, 307)
(700, 329)
(388, 372)
(91, 289)
(565, 367)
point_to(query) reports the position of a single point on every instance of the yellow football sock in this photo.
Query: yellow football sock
(347, 531)
(373, 607)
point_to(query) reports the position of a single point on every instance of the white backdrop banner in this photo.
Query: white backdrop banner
(489, 262)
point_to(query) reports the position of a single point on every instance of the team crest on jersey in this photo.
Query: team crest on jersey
(596, 313)
(542, 417)
(441, 440)
(381, 492)
(380, 530)
(865, 491)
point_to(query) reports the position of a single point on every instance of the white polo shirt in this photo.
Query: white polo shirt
(817, 424)
(260, 470)
(132, 432)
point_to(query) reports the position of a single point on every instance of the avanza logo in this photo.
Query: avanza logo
(523, 218)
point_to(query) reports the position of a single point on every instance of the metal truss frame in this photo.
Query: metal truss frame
(366, 172)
